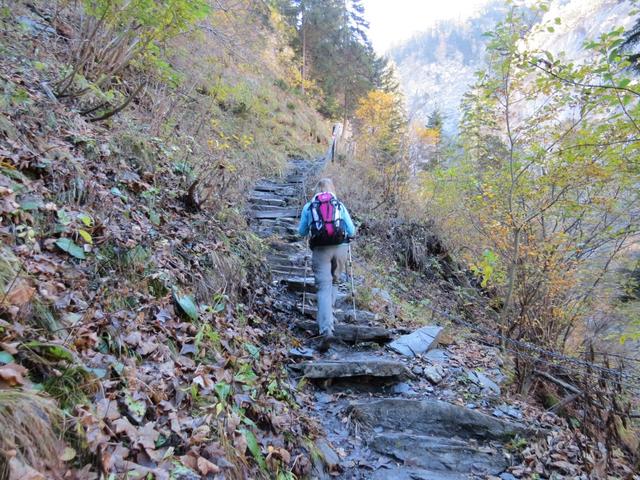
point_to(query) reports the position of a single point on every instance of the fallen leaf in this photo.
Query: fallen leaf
(133, 339)
(148, 436)
(205, 467)
(68, 454)
(13, 374)
(20, 294)
(124, 425)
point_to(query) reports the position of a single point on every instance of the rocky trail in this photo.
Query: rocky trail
(378, 392)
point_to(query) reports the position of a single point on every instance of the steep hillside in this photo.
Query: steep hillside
(132, 288)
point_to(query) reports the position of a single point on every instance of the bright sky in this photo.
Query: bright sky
(392, 21)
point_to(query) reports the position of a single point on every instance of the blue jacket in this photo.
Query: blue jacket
(305, 221)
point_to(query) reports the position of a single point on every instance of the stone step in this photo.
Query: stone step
(344, 315)
(259, 203)
(284, 261)
(299, 284)
(417, 342)
(412, 473)
(288, 249)
(284, 221)
(286, 272)
(262, 195)
(443, 455)
(357, 366)
(279, 188)
(434, 418)
(276, 213)
(350, 333)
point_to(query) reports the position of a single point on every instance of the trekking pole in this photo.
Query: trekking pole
(353, 289)
(304, 283)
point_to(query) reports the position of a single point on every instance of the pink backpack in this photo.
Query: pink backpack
(327, 227)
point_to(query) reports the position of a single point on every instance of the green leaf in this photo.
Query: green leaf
(222, 390)
(99, 372)
(136, 407)
(29, 205)
(6, 358)
(245, 375)
(86, 236)
(154, 217)
(187, 305)
(253, 350)
(254, 448)
(85, 219)
(69, 246)
(116, 191)
(49, 350)
(624, 82)
(63, 218)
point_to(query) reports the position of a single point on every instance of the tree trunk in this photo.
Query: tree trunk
(508, 300)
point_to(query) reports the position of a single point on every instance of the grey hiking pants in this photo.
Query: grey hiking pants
(327, 264)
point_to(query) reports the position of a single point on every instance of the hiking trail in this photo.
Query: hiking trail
(376, 390)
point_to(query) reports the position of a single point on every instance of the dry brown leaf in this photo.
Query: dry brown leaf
(148, 435)
(133, 339)
(12, 374)
(240, 444)
(20, 294)
(205, 467)
(124, 425)
(21, 471)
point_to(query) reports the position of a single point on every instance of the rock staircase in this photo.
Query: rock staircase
(379, 417)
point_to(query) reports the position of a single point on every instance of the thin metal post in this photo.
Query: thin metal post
(353, 289)
(304, 289)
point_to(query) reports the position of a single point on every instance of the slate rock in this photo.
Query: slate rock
(487, 386)
(434, 373)
(507, 476)
(403, 389)
(405, 473)
(438, 454)
(302, 352)
(357, 367)
(417, 342)
(329, 456)
(351, 333)
(435, 418)
(437, 355)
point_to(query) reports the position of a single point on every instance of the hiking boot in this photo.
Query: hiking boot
(325, 342)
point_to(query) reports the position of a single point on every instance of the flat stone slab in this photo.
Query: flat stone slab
(438, 454)
(405, 473)
(357, 367)
(345, 315)
(351, 333)
(435, 418)
(299, 284)
(417, 342)
(275, 213)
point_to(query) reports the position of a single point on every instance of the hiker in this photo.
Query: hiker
(327, 222)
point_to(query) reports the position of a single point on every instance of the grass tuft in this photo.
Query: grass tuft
(27, 421)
